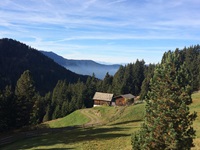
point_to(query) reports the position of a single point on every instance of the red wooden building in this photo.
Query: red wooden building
(123, 100)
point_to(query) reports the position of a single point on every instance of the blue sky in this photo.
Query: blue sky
(112, 31)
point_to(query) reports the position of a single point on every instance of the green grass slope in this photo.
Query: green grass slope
(73, 119)
(118, 123)
(195, 106)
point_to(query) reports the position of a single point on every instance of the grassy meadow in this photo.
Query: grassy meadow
(75, 118)
(195, 106)
(112, 130)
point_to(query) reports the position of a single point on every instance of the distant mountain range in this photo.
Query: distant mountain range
(16, 57)
(84, 67)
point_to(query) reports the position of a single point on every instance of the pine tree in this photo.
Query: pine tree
(89, 93)
(47, 114)
(191, 60)
(48, 108)
(138, 76)
(60, 94)
(128, 85)
(168, 121)
(25, 91)
(38, 110)
(65, 108)
(107, 83)
(118, 80)
(146, 81)
(57, 112)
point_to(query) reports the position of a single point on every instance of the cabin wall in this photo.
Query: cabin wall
(100, 102)
(120, 101)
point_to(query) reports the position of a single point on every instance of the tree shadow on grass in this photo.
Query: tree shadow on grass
(65, 136)
(58, 149)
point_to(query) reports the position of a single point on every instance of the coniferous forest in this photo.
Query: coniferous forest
(34, 89)
(168, 121)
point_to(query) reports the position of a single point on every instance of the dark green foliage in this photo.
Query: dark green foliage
(138, 76)
(129, 78)
(127, 84)
(91, 86)
(145, 84)
(79, 94)
(168, 121)
(25, 92)
(118, 80)
(66, 98)
(107, 83)
(192, 64)
(7, 109)
(48, 114)
(38, 110)
(60, 94)
(16, 57)
(57, 112)
(47, 108)
(65, 108)
(190, 57)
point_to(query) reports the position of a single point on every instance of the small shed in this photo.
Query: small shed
(102, 99)
(123, 100)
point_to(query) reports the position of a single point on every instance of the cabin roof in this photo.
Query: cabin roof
(127, 96)
(103, 96)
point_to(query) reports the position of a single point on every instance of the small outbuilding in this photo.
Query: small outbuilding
(123, 100)
(103, 99)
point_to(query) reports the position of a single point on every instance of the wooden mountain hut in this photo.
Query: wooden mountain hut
(102, 99)
(123, 100)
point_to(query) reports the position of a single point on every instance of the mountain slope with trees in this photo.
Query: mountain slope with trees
(16, 57)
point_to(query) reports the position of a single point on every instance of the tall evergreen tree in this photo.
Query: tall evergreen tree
(107, 83)
(25, 92)
(192, 63)
(118, 81)
(38, 110)
(65, 108)
(91, 89)
(138, 76)
(60, 94)
(128, 85)
(145, 84)
(168, 121)
(79, 94)
(48, 107)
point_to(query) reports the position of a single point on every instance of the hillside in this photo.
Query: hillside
(16, 57)
(85, 67)
(118, 123)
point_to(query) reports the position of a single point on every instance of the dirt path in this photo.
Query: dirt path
(94, 116)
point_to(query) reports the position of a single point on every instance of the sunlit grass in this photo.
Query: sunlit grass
(115, 134)
(75, 118)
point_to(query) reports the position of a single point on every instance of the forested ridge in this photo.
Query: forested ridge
(34, 89)
(16, 57)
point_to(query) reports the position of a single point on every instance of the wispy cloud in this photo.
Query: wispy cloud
(85, 26)
(116, 1)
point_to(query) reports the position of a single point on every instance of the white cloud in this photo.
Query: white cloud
(76, 25)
